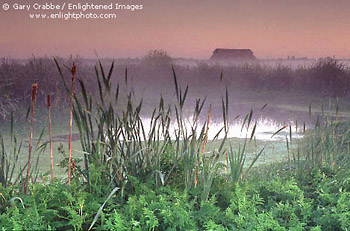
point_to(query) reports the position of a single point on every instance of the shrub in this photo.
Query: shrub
(156, 58)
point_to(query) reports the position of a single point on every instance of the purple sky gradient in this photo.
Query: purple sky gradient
(186, 28)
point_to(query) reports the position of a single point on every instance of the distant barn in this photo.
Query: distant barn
(232, 55)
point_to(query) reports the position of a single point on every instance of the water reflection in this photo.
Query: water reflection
(265, 129)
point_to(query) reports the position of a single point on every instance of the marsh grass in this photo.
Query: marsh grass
(9, 160)
(114, 138)
(328, 145)
(12, 172)
(118, 145)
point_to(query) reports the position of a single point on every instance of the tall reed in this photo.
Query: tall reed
(327, 144)
(73, 71)
(34, 90)
(50, 134)
(8, 162)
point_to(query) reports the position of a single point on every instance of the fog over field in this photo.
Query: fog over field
(279, 92)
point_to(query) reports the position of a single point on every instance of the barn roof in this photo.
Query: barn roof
(233, 54)
(232, 50)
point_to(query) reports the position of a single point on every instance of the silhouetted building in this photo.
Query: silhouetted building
(232, 55)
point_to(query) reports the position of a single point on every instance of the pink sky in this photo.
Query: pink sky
(186, 28)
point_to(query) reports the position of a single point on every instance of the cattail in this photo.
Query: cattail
(73, 166)
(73, 71)
(34, 89)
(50, 133)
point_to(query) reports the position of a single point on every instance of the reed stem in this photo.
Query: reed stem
(71, 124)
(206, 132)
(34, 88)
(50, 133)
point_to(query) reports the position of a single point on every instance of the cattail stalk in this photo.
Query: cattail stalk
(71, 124)
(34, 88)
(50, 133)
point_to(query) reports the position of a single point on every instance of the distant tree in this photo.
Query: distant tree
(157, 58)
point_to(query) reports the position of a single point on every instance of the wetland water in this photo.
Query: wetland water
(280, 112)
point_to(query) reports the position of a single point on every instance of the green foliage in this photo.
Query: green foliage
(116, 222)
(54, 205)
(343, 211)
(278, 204)
(149, 210)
